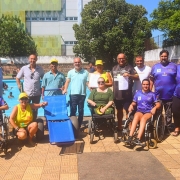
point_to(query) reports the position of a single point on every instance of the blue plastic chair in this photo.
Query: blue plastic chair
(59, 124)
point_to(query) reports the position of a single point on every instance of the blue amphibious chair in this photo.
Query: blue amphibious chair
(59, 124)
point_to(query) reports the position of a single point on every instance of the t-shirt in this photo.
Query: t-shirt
(177, 89)
(122, 94)
(2, 103)
(164, 80)
(143, 73)
(145, 101)
(78, 81)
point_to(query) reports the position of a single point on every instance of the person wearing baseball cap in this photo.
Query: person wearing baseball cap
(53, 81)
(21, 118)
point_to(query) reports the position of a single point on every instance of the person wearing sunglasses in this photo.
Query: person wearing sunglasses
(32, 73)
(102, 73)
(101, 97)
(21, 119)
(53, 79)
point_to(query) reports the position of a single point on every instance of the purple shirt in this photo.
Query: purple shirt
(164, 80)
(145, 101)
(177, 89)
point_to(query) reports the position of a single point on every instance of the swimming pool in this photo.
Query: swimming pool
(12, 87)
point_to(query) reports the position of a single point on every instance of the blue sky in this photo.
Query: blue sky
(150, 5)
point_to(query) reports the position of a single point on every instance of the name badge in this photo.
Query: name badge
(139, 98)
(158, 70)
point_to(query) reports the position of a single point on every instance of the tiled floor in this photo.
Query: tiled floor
(47, 161)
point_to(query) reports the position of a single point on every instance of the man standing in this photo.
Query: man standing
(163, 77)
(122, 98)
(53, 80)
(79, 79)
(32, 74)
(143, 73)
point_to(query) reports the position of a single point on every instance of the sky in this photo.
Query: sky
(150, 5)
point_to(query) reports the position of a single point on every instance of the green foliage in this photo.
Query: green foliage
(166, 18)
(110, 27)
(150, 44)
(14, 41)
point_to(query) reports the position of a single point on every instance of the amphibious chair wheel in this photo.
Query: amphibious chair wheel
(115, 137)
(159, 128)
(75, 124)
(151, 144)
(40, 131)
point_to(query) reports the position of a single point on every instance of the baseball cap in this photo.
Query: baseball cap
(54, 60)
(99, 62)
(23, 95)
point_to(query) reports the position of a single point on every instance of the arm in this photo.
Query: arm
(4, 107)
(66, 86)
(90, 98)
(18, 77)
(12, 117)
(42, 92)
(109, 84)
(36, 106)
(131, 107)
(109, 104)
(157, 106)
(151, 82)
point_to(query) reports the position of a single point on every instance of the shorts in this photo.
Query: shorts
(120, 104)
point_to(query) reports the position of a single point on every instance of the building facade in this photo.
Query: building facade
(49, 22)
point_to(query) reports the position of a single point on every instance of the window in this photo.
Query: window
(34, 19)
(71, 18)
(75, 42)
(75, 18)
(28, 19)
(54, 19)
(42, 19)
(66, 18)
(48, 19)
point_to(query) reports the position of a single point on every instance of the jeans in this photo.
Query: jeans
(77, 100)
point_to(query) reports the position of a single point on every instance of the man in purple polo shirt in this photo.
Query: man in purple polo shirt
(163, 76)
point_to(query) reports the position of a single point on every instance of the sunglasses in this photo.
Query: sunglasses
(32, 75)
(77, 62)
(100, 82)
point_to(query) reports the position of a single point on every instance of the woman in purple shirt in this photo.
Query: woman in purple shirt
(147, 104)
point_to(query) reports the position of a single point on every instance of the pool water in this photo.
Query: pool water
(12, 87)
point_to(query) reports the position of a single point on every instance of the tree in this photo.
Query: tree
(166, 18)
(14, 41)
(109, 27)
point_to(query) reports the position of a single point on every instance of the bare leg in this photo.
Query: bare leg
(143, 121)
(22, 134)
(136, 119)
(32, 129)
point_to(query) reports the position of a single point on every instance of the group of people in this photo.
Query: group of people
(165, 76)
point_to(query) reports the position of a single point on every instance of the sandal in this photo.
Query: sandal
(175, 133)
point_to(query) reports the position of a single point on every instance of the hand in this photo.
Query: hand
(93, 104)
(103, 110)
(130, 108)
(153, 111)
(44, 103)
(64, 91)
(126, 75)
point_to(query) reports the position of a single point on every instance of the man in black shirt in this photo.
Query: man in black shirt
(122, 98)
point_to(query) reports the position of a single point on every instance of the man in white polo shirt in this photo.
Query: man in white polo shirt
(143, 72)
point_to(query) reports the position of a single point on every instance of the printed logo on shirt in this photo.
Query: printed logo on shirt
(139, 98)
(164, 74)
(158, 70)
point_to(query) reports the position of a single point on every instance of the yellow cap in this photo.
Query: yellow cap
(98, 109)
(54, 60)
(23, 95)
(99, 62)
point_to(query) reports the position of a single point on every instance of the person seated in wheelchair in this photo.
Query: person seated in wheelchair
(147, 103)
(21, 118)
(101, 98)
(3, 106)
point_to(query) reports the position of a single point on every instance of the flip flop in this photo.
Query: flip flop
(175, 133)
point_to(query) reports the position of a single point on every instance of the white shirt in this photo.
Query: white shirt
(143, 73)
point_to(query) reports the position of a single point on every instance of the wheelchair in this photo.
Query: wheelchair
(4, 133)
(97, 121)
(153, 133)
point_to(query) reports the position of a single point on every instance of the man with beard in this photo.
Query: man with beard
(163, 77)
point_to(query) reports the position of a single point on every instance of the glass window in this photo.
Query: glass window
(34, 19)
(75, 18)
(71, 18)
(66, 18)
(48, 19)
(28, 19)
(54, 19)
(75, 42)
(66, 42)
(42, 19)
(71, 42)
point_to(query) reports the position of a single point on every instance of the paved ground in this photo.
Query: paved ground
(83, 160)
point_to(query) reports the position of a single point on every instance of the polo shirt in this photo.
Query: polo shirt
(51, 81)
(78, 81)
(164, 80)
(31, 83)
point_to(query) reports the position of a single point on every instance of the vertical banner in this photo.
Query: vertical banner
(80, 4)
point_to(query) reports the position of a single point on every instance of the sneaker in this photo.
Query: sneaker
(129, 140)
(138, 142)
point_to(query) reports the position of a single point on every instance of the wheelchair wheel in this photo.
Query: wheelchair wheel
(5, 134)
(159, 128)
(40, 131)
(151, 144)
(75, 124)
(89, 127)
(91, 138)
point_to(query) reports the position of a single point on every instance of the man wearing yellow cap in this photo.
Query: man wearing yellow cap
(53, 81)
(32, 73)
